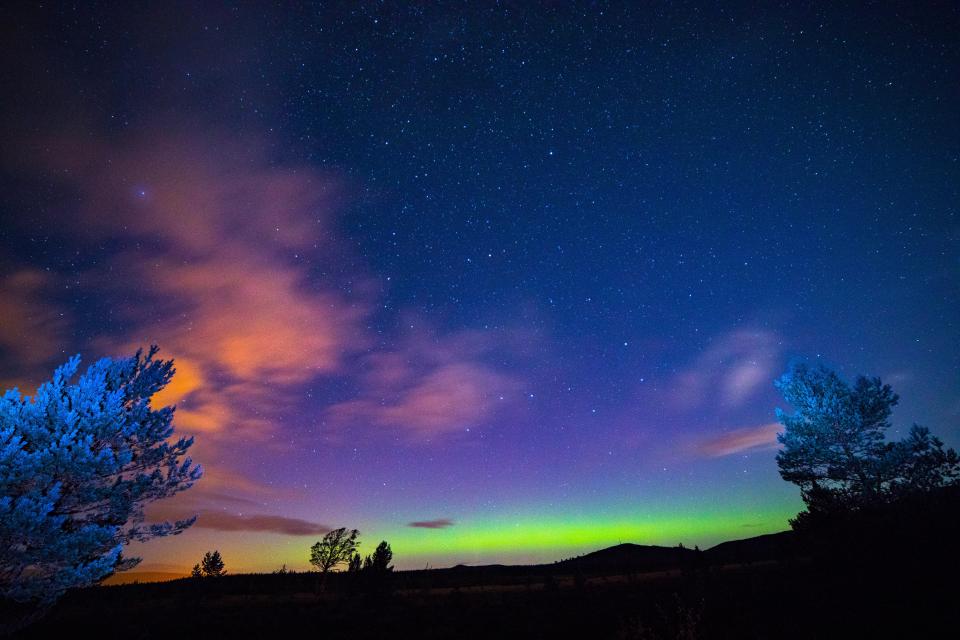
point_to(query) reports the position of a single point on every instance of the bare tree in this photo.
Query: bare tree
(337, 547)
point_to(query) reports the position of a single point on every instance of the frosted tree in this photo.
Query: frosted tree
(835, 448)
(78, 463)
(835, 438)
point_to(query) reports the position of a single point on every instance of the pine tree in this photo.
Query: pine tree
(78, 462)
(355, 563)
(196, 572)
(834, 444)
(380, 560)
(382, 556)
(212, 565)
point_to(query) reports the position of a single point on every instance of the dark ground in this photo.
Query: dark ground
(794, 598)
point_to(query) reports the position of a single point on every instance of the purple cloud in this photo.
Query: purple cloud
(430, 386)
(439, 523)
(259, 522)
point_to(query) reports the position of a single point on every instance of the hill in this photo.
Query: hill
(772, 546)
(629, 558)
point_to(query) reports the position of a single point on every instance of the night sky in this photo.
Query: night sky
(496, 282)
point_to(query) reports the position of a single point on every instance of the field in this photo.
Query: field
(790, 597)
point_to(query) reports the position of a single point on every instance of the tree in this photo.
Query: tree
(921, 463)
(212, 565)
(355, 564)
(379, 562)
(337, 547)
(78, 462)
(196, 572)
(834, 444)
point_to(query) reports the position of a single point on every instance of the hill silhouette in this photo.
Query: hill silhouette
(772, 546)
(629, 557)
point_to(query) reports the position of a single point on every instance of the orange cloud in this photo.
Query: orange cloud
(187, 378)
(224, 265)
(256, 318)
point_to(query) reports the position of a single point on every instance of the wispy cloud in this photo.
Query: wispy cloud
(740, 440)
(431, 385)
(729, 372)
(440, 523)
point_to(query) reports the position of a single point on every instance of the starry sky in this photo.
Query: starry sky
(494, 281)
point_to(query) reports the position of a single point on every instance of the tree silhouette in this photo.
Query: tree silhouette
(834, 444)
(212, 565)
(196, 572)
(921, 464)
(379, 562)
(337, 547)
(355, 564)
(78, 462)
